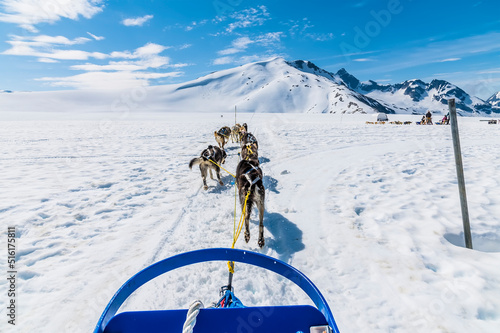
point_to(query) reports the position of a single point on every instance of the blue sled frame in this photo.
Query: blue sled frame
(217, 254)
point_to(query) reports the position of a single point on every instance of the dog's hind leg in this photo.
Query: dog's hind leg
(203, 170)
(211, 176)
(218, 176)
(247, 223)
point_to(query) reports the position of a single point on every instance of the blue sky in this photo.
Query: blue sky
(80, 44)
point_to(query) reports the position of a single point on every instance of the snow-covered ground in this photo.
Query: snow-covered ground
(370, 213)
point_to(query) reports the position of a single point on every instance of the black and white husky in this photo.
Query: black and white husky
(205, 161)
(249, 181)
(248, 138)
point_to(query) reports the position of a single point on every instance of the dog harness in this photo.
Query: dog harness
(248, 175)
(208, 154)
(248, 146)
(223, 132)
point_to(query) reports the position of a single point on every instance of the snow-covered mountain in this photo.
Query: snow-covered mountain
(494, 100)
(277, 85)
(268, 86)
(416, 96)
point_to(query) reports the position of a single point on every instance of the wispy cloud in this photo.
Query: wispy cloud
(28, 13)
(125, 68)
(363, 59)
(223, 61)
(95, 37)
(195, 24)
(107, 80)
(435, 52)
(47, 60)
(137, 21)
(135, 68)
(450, 59)
(268, 40)
(246, 18)
(305, 29)
(48, 47)
(238, 45)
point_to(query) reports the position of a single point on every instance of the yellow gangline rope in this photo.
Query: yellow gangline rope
(222, 168)
(236, 230)
(230, 264)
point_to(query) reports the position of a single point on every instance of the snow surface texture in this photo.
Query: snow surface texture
(370, 213)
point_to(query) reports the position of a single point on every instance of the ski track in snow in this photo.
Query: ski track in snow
(370, 213)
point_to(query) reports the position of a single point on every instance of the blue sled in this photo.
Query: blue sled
(294, 319)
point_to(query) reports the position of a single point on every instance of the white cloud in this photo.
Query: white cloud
(28, 13)
(149, 49)
(125, 68)
(450, 59)
(435, 52)
(302, 28)
(241, 44)
(107, 80)
(248, 18)
(269, 39)
(44, 40)
(223, 61)
(95, 37)
(45, 47)
(245, 59)
(136, 68)
(195, 24)
(47, 60)
(137, 21)
(231, 50)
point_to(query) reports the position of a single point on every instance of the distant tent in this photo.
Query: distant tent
(382, 117)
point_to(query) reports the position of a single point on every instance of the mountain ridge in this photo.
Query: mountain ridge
(274, 85)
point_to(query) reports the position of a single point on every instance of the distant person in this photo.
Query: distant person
(448, 118)
(444, 121)
(428, 117)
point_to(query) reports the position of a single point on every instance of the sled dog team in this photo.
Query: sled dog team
(249, 175)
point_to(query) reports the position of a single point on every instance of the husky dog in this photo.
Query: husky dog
(249, 181)
(235, 133)
(250, 150)
(248, 138)
(222, 136)
(209, 155)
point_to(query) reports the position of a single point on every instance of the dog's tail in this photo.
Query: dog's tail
(195, 161)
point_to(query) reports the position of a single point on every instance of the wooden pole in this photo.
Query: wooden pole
(460, 172)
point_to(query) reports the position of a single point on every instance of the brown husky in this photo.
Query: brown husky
(235, 133)
(222, 136)
(205, 161)
(251, 188)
